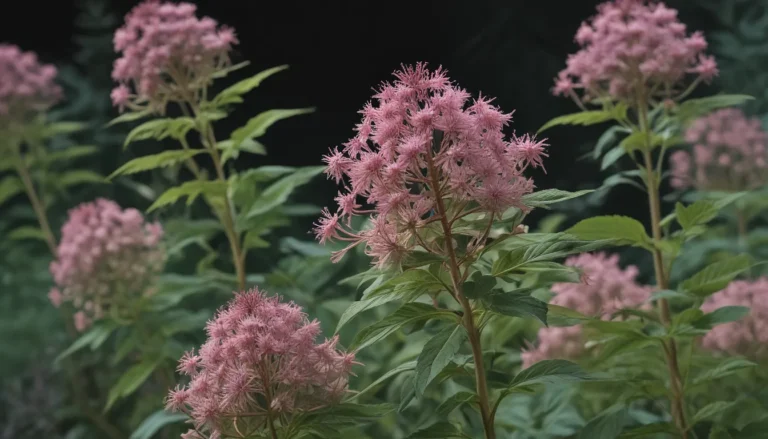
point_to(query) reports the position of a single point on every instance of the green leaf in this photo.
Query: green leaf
(27, 232)
(693, 108)
(716, 276)
(70, 153)
(562, 316)
(438, 353)
(711, 410)
(233, 93)
(154, 422)
(353, 410)
(130, 117)
(79, 176)
(438, 430)
(551, 196)
(154, 161)
(191, 189)
(93, 338)
(719, 316)
(10, 186)
(649, 430)
(549, 372)
(727, 367)
(405, 367)
(516, 304)
(229, 151)
(607, 138)
(583, 118)
(611, 157)
(606, 426)
(130, 381)
(698, 213)
(455, 401)
(258, 125)
(159, 129)
(407, 314)
(622, 229)
(58, 128)
(555, 246)
(278, 192)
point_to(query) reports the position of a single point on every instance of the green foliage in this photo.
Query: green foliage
(154, 161)
(437, 354)
(408, 314)
(159, 129)
(233, 94)
(693, 108)
(586, 118)
(546, 197)
(258, 125)
(10, 186)
(621, 230)
(191, 190)
(155, 422)
(716, 276)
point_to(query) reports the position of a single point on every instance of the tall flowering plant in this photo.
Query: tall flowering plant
(169, 62)
(445, 193)
(637, 64)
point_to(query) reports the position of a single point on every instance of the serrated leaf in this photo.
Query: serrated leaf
(154, 161)
(711, 410)
(70, 153)
(353, 410)
(551, 196)
(160, 129)
(58, 128)
(622, 230)
(437, 354)
(229, 151)
(258, 125)
(154, 422)
(278, 192)
(79, 176)
(584, 118)
(611, 157)
(549, 372)
(606, 426)
(233, 93)
(455, 401)
(129, 117)
(405, 367)
(516, 304)
(556, 246)
(93, 338)
(130, 381)
(190, 189)
(438, 430)
(698, 213)
(607, 138)
(27, 232)
(721, 315)
(562, 316)
(10, 186)
(647, 430)
(405, 315)
(716, 276)
(729, 366)
(693, 108)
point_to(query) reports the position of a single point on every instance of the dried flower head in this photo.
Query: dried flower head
(424, 150)
(107, 257)
(729, 153)
(631, 48)
(605, 289)
(168, 54)
(261, 361)
(26, 86)
(748, 336)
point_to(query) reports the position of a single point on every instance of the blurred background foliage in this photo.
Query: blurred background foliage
(337, 51)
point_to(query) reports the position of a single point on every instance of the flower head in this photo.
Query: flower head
(26, 86)
(748, 336)
(633, 46)
(424, 144)
(167, 53)
(261, 359)
(730, 152)
(605, 289)
(107, 257)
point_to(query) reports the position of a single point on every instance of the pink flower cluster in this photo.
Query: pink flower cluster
(729, 153)
(167, 53)
(107, 257)
(423, 143)
(632, 47)
(260, 364)
(748, 336)
(26, 86)
(606, 288)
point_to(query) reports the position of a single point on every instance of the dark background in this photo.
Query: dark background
(339, 50)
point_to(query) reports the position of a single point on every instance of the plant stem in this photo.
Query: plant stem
(468, 318)
(238, 257)
(677, 400)
(37, 204)
(741, 223)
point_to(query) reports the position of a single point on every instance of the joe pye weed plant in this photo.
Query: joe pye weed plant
(638, 65)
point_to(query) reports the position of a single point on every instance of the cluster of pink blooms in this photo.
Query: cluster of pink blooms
(423, 142)
(167, 53)
(605, 289)
(748, 336)
(26, 86)
(260, 362)
(631, 47)
(107, 257)
(729, 153)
